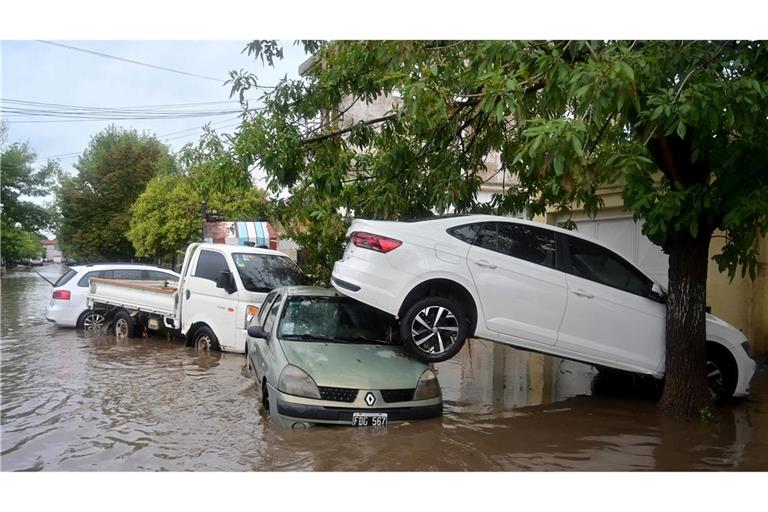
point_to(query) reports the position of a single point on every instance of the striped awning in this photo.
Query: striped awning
(256, 233)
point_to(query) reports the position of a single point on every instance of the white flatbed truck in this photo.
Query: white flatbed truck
(220, 290)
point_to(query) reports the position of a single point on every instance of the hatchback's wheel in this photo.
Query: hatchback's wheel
(91, 321)
(205, 340)
(434, 329)
(125, 326)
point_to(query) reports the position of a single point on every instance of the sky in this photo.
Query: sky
(35, 71)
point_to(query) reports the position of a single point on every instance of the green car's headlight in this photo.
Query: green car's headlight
(428, 386)
(297, 382)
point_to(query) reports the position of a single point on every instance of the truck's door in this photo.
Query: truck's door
(203, 302)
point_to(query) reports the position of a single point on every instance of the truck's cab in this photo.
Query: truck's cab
(221, 289)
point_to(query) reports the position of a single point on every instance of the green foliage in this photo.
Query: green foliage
(95, 204)
(681, 125)
(18, 180)
(165, 218)
(21, 219)
(213, 168)
(707, 414)
(18, 244)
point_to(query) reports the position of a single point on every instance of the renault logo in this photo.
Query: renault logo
(370, 399)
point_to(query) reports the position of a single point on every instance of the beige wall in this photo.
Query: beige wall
(742, 302)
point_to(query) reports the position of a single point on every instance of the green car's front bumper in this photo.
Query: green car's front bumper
(291, 408)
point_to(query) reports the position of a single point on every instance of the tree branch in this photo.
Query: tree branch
(705, 64)
(337, 133)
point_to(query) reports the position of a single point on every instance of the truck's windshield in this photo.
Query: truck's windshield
(265, 272)
(335, 319)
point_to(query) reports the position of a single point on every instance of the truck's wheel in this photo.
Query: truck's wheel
(204, 339)
(125, 325)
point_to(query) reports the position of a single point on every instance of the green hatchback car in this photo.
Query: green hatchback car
(325, 358)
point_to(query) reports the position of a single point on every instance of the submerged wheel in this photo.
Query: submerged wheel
(125, 326)
(91, 321)
(205, 340)
(721, 373)
(434, 329)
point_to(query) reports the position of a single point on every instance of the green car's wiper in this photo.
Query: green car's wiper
(363, 338)
(313, 337)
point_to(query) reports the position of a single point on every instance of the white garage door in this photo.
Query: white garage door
(625, 237)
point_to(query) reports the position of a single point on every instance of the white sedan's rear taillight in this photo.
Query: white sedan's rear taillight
(373, 242)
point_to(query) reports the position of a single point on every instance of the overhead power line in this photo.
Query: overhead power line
(130, 61)
(131, 107)
(218, 125)
(23, 111)
(139, 63)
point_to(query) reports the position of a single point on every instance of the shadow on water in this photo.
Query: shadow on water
(75, 402)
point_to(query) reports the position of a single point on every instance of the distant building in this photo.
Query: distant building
(52, 251)
(255, 234)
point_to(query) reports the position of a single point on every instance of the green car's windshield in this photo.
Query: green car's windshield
(265, 272)
(335, 319)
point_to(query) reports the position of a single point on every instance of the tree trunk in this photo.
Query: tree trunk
(685, 387)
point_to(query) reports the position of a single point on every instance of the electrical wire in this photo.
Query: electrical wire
(24, 111)
(139, 63)
(130, 61)
(163, 137)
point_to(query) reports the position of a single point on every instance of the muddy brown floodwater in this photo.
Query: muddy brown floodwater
(74, 402)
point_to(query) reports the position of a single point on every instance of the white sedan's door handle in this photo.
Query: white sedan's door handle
(484, 263)
(582, 293)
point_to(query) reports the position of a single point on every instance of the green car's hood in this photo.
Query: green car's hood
(358, 366)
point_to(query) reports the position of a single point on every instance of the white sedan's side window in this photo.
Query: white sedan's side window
(590, 261)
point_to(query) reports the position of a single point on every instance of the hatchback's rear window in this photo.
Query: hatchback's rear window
(69, 274)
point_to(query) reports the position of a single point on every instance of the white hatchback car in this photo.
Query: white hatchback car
(69, 304)
(529, 285)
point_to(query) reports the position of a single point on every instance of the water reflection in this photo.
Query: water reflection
(74, 402)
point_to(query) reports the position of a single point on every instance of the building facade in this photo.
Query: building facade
(52, 251)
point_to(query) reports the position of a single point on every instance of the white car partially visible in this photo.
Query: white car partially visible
(68, 306)
(533, 286)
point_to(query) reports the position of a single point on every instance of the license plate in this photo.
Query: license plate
(369, 419)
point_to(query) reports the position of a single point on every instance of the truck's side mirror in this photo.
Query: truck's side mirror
(257, 331)
(226, 281)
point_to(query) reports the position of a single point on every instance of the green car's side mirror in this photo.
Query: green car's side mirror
(257, 331)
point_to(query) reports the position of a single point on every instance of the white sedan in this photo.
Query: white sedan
(68, 306)
(529, 285)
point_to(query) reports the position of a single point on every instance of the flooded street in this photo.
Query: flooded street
(85, 403)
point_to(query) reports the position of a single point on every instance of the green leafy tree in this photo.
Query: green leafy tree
(95, 204)
(20, 218)
(681, 125)
(167, 216)
(213, 167)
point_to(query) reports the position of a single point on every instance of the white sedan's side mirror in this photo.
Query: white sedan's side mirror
(657, 293)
